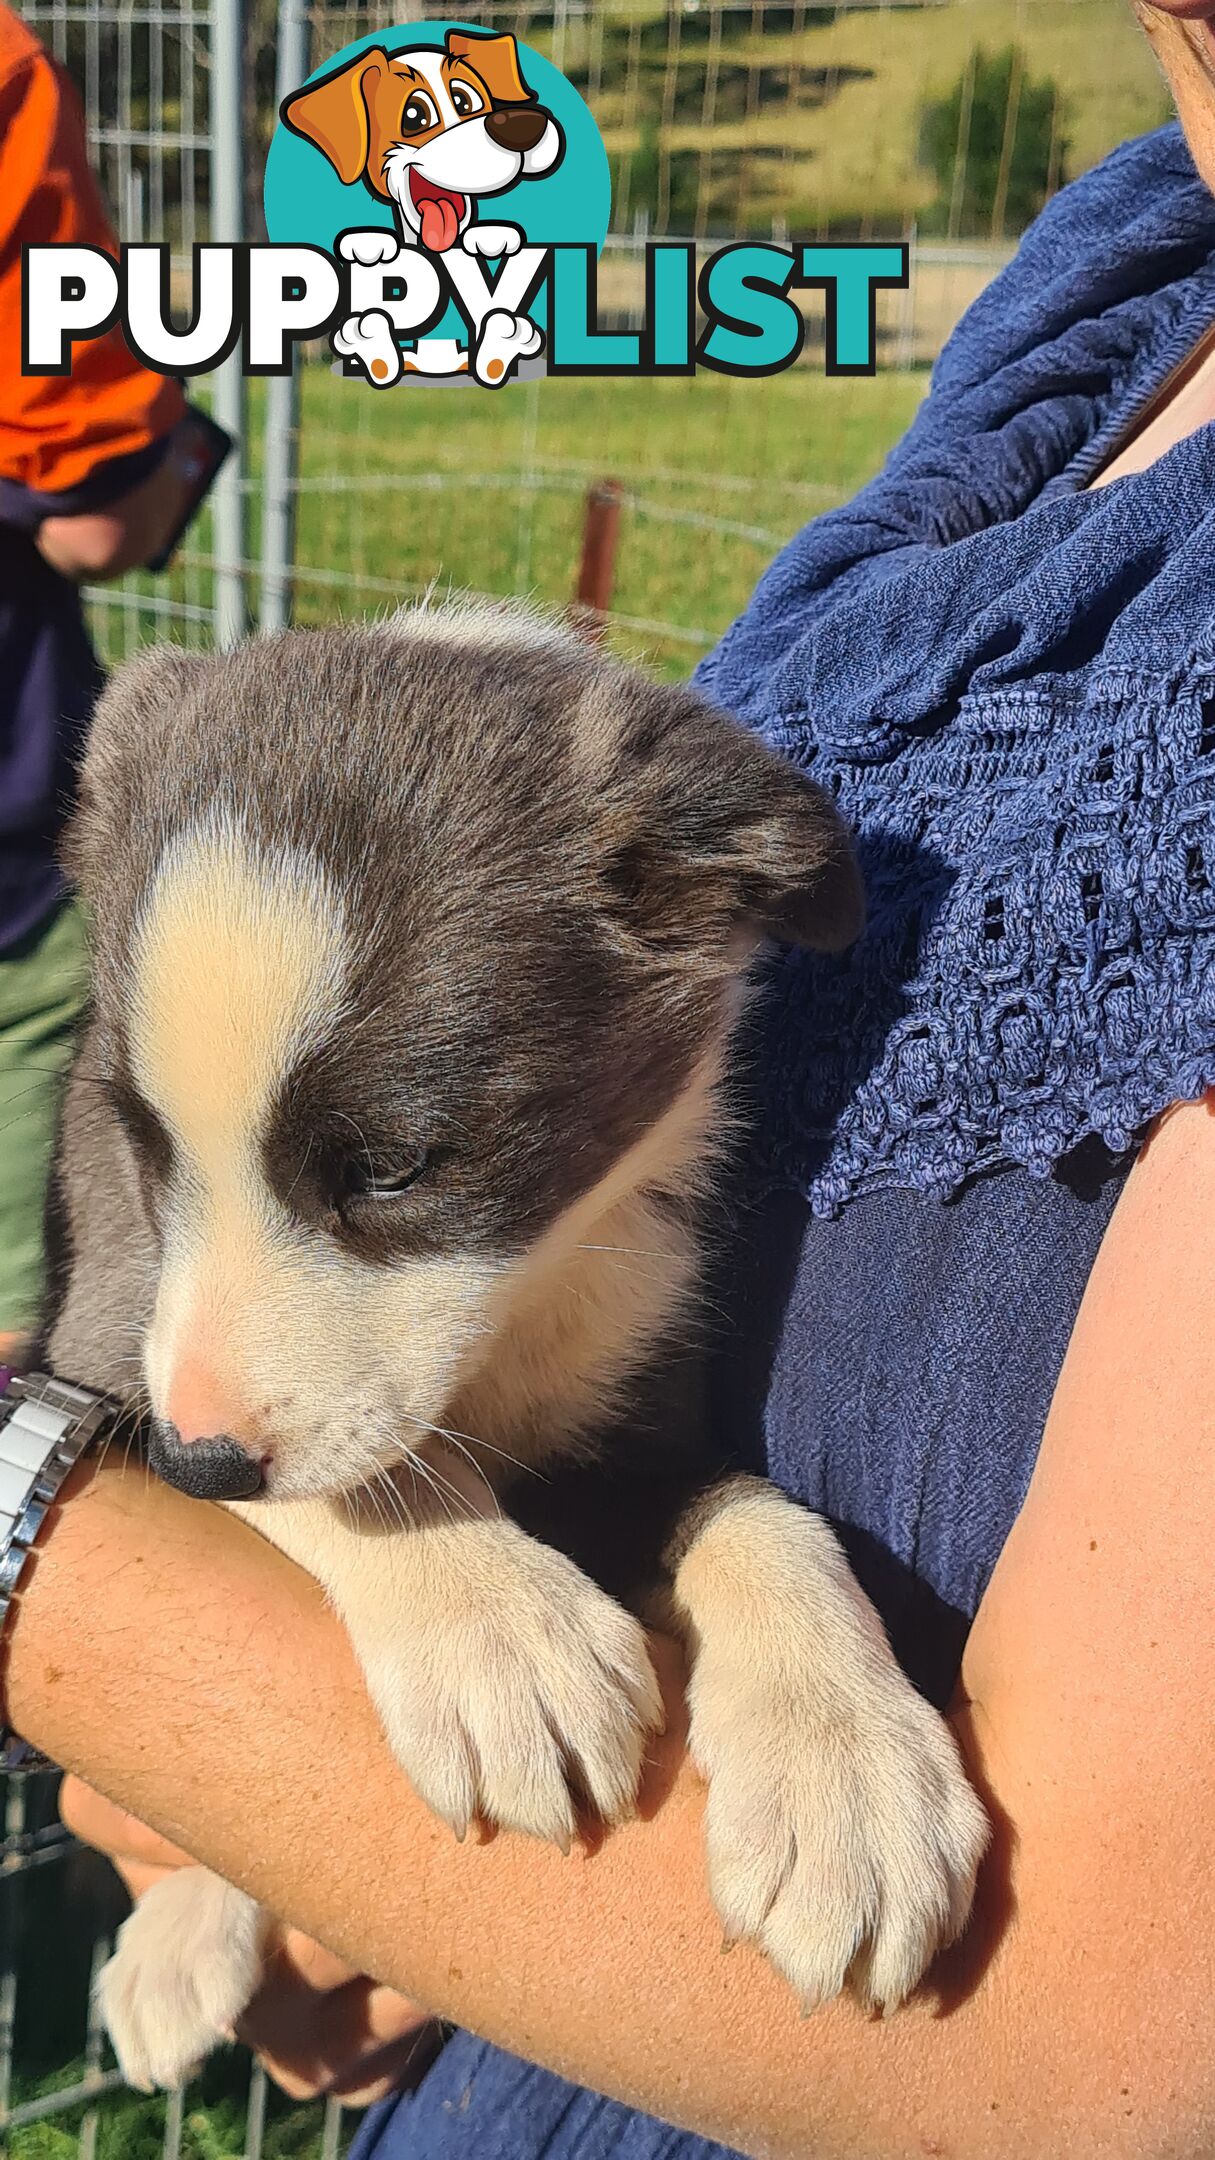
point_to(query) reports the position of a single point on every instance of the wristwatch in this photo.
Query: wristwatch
(45, 1427)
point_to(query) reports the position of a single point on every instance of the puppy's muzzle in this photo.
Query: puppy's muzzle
(212, 1469)
(515, 128)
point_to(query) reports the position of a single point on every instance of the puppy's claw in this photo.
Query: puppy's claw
(490, 241)
(504, 340)
(369, 341)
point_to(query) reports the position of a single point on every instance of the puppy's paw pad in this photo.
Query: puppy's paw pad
(490, 241)
(186, 1964)
(842, 1847)
(376, 245)
(368, 339)
(505, 340)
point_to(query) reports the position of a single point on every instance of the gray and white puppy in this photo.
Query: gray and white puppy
(417, 953)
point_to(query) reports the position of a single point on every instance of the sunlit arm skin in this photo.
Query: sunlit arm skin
(191, 1673)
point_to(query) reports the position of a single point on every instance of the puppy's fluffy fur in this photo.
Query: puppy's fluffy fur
(418, 949)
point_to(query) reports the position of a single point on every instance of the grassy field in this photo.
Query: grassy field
(834, 142)
(721, 117)
(131, 2127)
(487, 491)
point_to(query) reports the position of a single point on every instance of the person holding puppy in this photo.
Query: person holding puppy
(1002, 656)
(96, 470)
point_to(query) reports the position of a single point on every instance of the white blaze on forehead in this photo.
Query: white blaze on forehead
(465, 619)
(238, 967)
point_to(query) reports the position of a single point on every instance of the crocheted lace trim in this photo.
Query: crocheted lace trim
(1039, 963)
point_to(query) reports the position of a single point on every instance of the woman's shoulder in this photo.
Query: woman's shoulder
(1122, 233)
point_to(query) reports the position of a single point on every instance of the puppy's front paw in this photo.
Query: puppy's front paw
(368, 340)
(187, 1963)
(843, 1844)
(510, 1703)
(505, 340)
(374, 245)
(490, 241)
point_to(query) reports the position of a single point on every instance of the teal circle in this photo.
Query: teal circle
(307, 204)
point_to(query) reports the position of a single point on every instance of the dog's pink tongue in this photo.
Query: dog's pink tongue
(439, 223)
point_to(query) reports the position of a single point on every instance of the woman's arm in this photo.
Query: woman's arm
(190, 1672)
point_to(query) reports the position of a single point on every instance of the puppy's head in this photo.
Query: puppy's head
(416, 949)
(430, 131)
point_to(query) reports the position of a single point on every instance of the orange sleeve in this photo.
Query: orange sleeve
(56, 431)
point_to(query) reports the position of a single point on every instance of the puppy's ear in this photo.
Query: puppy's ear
(137, 709)
(495, 56)
(334, 114)
(712, 835)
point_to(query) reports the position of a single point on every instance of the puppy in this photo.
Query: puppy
(431, 132)
(418, 949)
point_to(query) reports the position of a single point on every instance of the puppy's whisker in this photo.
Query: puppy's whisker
(438, 1486)
(447, 1432)
(471, 1460)
(362, 1140)
(383, 1514)
(638, 1252)
(303, 1166)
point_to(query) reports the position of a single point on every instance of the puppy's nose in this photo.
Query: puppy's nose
(197, 1405)
(213, 1469)
(517, 128)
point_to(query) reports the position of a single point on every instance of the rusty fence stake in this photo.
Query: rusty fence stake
(597, 570)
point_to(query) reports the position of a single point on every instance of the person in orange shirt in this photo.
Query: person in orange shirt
(97, 470)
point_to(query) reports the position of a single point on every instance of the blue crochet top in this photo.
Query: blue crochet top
(1009, 684)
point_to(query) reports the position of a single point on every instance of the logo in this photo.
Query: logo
(444, 166)
(437, 200)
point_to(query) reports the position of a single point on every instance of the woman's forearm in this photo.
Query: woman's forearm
(193, 1674)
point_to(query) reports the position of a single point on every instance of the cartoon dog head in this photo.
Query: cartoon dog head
(430, 131)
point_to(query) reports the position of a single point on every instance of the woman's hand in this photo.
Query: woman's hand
(317, 2026)
(132, 531)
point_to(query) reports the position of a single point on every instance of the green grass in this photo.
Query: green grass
(820, 124)
(486, 490)
(440, 491)
(131, 2127)
(755, 116)
(49, 1920)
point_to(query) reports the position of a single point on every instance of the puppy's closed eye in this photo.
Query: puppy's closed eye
(383, 1179)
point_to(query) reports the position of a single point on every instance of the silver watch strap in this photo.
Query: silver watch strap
(45, 1427)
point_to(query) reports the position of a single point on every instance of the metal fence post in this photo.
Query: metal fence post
(227, 225)
(280, 438)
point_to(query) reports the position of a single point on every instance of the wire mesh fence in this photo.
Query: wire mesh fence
(947, 123)
(144, 72)
(944, 122)
(61, 2094)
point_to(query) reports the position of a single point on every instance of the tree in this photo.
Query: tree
(995, 146)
